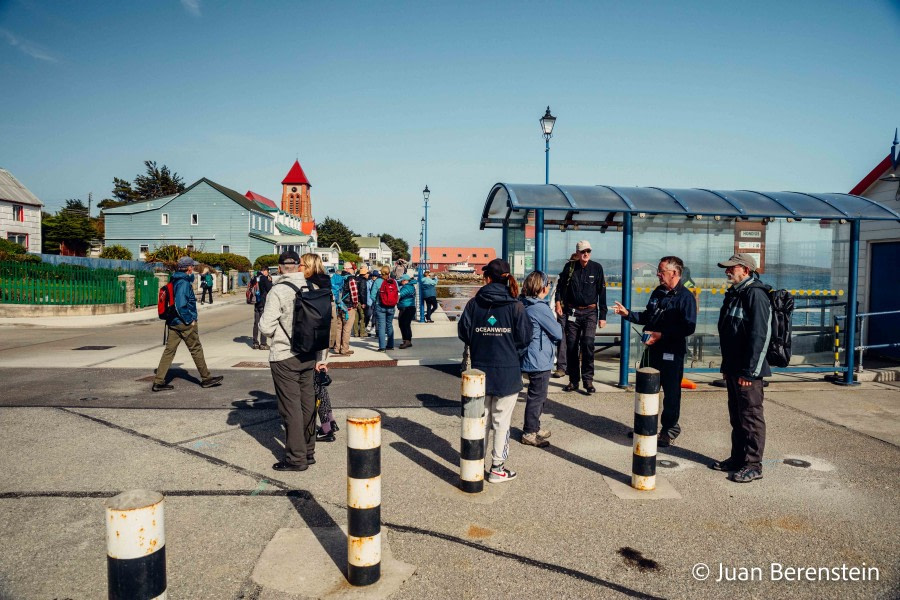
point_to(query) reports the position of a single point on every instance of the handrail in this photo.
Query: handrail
(862, 333)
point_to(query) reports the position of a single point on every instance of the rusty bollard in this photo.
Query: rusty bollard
(471, 447)
(363, 497)
(646, 417)
(136, 545)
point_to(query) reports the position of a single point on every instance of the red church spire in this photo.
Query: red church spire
(296, 176)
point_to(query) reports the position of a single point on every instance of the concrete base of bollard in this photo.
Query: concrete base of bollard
(623, 489)
(312, 563)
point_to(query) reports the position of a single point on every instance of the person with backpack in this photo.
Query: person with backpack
(745, 329)
(668, 320)
(428, 288)
(206, 285)
(497, 330)
(546, 335)
(293, 371)
(362, 307)
(263, 283)
(386, 294)
(406, 307)
(181, 324)
(347, 299)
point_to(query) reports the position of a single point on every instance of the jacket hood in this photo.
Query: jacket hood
(495, 294)
(532, 301)
(182, 275)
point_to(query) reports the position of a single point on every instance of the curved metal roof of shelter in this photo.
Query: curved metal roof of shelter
(568, 205)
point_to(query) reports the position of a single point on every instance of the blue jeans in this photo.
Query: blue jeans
(384, 324)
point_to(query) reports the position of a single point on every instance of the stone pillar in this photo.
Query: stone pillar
(162, 278)
(129, 291)
(232, 279)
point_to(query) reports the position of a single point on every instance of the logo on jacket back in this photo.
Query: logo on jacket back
(492, 320)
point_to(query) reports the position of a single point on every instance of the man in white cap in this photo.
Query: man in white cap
(581, 298)
(745, 328)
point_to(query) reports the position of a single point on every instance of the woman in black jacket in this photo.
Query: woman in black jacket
(497, 330)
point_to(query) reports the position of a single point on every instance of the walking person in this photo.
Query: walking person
(745, 328)
(206, 285)
(546, 334)
(581, 298)
(182, 327)
(562, 365)
(263, 285)
(406, 307)
(292, 374)
(374, 276)
(428, 289)
(348, 300)
(362, 307)
(668, 320)
(384, 306)
(497, 331)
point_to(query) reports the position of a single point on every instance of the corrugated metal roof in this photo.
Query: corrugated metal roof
(12, 189)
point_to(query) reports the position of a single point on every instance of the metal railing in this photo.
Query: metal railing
(42, 291)
(861, 327)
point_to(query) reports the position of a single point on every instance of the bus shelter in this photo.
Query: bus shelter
(805, 243)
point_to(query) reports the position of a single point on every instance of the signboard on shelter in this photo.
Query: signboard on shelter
(750, 238)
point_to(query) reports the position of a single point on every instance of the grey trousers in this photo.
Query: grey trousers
(258, 338)
(190, 335)
(748, 424)
(296, 393)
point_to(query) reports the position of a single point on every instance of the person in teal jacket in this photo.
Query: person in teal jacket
(429, 294)
(406, 308)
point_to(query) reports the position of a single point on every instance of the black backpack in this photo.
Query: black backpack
(779, 352)
(312, 319)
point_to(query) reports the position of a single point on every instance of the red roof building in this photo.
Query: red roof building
(261, 200)
(441, 257)
(295, 198)
(296, 176)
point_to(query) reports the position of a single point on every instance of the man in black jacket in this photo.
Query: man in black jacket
(264, 284)
(670, 317)
(581, 298)
(745, 328)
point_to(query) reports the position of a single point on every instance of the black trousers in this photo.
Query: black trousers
(580, 335)
(538, 384)
(404, 319)
(748, 424)
(430, 307)
(296, 393)
(561, 363)
(203, 294)
(670, 374)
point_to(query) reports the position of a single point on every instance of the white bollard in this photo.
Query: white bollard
(136, 545)
(363, 497)
(646, 417)
(471, 447)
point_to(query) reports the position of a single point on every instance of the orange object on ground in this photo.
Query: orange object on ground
(687, 384)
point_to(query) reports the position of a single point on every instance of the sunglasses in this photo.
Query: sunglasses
(588, 251)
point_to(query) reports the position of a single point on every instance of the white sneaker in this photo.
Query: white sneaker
(500, 473)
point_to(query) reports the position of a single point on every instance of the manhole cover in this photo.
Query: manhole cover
(667, 464)
(94, 348)
(796, 462)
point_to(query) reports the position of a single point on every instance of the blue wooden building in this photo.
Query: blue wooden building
(207, 216)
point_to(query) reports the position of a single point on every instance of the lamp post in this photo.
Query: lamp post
(540, 235)
(426, 193)
(421, 270)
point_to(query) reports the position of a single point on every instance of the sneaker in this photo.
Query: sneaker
(533, 439)
(664, 441)
(544, 433)
(557, 374)
(746, 474)
(212, 381)
(334, 427)
(724, 465)
(499, 474)
(255, 346)
(162, 387)
(325, 437)
(263, 346)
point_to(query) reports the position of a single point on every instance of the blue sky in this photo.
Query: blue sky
(379, 99)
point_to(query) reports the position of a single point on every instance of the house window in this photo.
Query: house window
(485, 255)
(324, 258)
(459, 256)
(145, 248)
(373, 256)
(226, 249)
(474, 255)
(18, 213)
(165, 219)
(190, 247)
(444, 255)
(195, 219)
(18, 238)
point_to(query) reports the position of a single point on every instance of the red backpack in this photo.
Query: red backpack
(165, 303)
(388, 294)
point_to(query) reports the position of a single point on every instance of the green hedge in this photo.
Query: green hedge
(116, 252)
(169, 255)
(266, 260)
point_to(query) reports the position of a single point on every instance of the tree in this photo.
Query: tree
(157, 182)
(69, 230)
(117, 252)
(332, 230)
(399, 247)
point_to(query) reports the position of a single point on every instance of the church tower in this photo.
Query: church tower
(295, 198)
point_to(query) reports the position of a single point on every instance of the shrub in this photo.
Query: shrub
(116, 252)
(11, 247)
(266, 260)
(345, 257)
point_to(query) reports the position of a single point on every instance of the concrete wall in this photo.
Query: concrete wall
(49, 310)
(31, 226)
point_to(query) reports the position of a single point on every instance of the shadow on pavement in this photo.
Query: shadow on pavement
(421, 437)
(426, 462)
(588, 464)
(180, 373)
(318, 520)
(258, 421)
(244, 339)
(435, 401)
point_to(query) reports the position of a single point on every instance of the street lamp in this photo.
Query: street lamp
(540, 236)
(423, 256)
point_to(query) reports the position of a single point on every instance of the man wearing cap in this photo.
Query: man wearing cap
(183, 327)
(745, 328)
(293, 374)
(581, 298)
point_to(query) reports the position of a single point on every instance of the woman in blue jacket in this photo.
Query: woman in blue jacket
(538, 360)
(429, 294)
(406, 308)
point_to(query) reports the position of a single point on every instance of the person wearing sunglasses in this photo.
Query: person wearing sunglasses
(581, 298)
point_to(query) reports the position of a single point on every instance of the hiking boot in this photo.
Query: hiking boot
(533, 439)
(558, 373)
(406, 344)
(263, 346)
(162, 387)
(286, 466)
(570, 388)
(746, 474)
(544, 433)
(664, 441)
(212, 381)
(589, 389)
(500, 473)
(255, 346)
(725, 465)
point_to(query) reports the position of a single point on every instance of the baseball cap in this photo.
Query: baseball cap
(184, 262)
(583, 245)
(289, 257)
(741, 258)
(405, 277)
(496, 268)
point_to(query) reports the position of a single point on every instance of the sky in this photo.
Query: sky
(378, 99)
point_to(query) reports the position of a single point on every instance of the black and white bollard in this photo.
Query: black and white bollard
(471, 448)
(363, 497)
(646, 418)
(136, 545)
